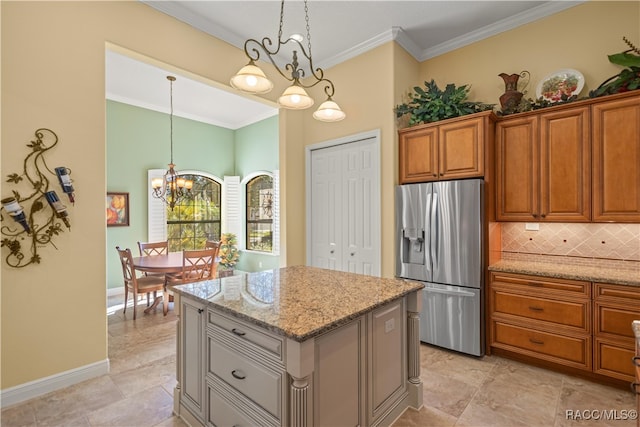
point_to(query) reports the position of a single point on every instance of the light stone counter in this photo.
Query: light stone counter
(620, 276)
(298, 302)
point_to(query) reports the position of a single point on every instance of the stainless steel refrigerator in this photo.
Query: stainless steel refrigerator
(440, 242)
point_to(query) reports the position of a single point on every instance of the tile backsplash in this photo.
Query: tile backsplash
(605, 241)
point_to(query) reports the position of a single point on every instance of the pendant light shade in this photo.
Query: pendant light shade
(329, 111)
(251, 79)
(303, 76)
(296, 98)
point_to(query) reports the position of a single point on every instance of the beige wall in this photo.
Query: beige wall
(580, 38)
(53, 314)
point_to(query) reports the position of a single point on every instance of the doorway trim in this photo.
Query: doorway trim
(372, 134)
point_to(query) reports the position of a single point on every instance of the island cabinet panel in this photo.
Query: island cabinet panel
(543, 167)
(616, 160)
(339, 375)
(543, 318)
(387, 337)
(615, 309)
(449, 149)
(191, 352)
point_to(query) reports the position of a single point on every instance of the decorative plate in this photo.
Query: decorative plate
(563, 82)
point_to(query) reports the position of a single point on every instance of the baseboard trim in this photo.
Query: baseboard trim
(26, 391)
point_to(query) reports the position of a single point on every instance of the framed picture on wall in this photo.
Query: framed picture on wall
(117, 205)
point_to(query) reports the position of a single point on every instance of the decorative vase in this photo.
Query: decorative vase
(511, 97)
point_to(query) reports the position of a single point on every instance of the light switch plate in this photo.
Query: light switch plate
(532, 226)
(389, 325)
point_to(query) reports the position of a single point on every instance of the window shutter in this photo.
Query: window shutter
(156, 211)
(275, 244)
(231, 206)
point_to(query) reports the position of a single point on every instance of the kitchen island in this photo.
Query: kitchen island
(297, 346)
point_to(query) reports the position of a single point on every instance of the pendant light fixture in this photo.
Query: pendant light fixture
(251, 78)
(171, 188)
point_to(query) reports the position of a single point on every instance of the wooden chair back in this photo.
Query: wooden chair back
(198, 265)
(153, 248)
(213, 244)
(139, 285)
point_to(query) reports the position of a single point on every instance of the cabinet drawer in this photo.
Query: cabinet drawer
(614, 360)
(571, 351)
(566, 313)
(271, 344)
(543, 285)
(621, 293)
(615, 321)
(228, 407)
(256, 381)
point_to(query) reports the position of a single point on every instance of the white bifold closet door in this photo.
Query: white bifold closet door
(344, 214)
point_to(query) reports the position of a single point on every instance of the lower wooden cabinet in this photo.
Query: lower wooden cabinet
(615, 308)
(544, 318)
(578, 324)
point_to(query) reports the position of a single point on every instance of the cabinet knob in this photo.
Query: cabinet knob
(200, 310)
(535, 215)
(331, 251)
(634, 387)
(441, 173)
(542, 215)
(636, 360)
(435, 174)
(353, 253)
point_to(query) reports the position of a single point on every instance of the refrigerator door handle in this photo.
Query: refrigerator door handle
(433, 215)
(457, 293)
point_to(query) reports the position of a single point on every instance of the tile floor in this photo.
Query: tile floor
(458, 390)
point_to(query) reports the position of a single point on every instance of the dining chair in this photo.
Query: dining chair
(152, 249)
(196, 265)
(140, 285)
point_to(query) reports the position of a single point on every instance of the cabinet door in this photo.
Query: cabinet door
(418, 153)
(517, 170)
(565, 164)
(192, 330)
(461, 149)
(616, 160)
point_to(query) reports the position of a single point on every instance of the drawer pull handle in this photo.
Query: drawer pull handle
(536, 341)
(238, 376)
(533, 308)
(636, 360)
(238, 333)
(634, 387)
(200, 310)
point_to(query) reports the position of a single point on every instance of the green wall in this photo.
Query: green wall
(256, 151)
(138, 140)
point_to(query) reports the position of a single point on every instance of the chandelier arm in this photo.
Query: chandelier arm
(269, 53)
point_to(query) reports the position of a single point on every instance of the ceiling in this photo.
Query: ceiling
(339, 30)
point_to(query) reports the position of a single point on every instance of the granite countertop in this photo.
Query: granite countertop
(298, 302)
(618, 276)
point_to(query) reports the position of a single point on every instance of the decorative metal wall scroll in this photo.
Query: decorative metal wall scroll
(33, 225)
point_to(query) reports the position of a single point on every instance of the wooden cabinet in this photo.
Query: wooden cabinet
(543, 166)
(543, 318)
(569, 323)
(449, 149)
(615, 308)
(635, 386)
(616, 160)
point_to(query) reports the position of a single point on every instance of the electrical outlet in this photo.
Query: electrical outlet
(389, 325)
(532, 226)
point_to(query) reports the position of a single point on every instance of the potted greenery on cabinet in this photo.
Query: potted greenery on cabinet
(431, 104)
(228, 254)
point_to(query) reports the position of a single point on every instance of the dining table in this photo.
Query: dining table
(165, 263)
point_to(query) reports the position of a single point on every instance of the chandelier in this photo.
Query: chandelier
(252, 79)
(171, 188)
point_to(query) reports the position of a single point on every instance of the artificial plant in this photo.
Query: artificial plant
(432, 104)
(626, 80)
(228, 252)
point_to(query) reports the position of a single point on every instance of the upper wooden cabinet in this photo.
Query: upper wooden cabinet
(616, 160)
(543, 166)
(448, 149)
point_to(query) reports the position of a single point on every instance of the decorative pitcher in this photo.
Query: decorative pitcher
(511, 97)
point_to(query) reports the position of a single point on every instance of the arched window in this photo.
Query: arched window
(197, 217)
(260, 213)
